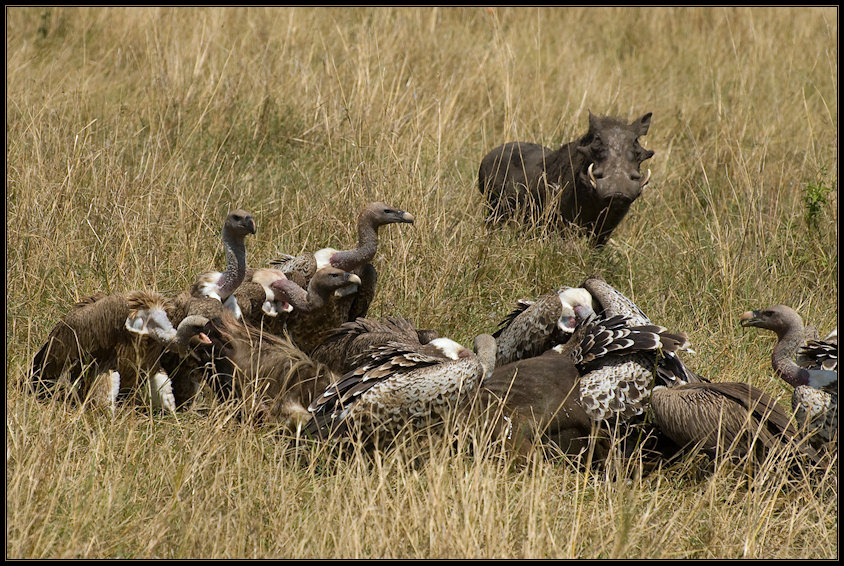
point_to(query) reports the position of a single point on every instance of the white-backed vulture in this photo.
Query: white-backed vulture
(356, 260)
(341, 350)
(315, 312)
(256, 296)
(120, 336)
(809, 365)
(184, 304)
(726, 419)
(221, 285)
(401, 385)
(536, 399)
(619, 387)
(535, 326)
(272, 379)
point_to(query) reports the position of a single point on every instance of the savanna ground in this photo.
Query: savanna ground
(130, 132)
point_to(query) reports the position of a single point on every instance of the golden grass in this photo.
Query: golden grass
(132, 131)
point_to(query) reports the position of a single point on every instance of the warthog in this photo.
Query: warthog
(589, 183)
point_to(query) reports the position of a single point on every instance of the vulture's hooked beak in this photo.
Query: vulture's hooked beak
(749, 318)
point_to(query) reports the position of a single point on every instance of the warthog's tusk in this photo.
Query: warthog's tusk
(592, 176)
(647, 178)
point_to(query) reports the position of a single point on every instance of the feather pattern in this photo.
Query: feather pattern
(618, 363)
(399, 384)
(627, 354)
(820, 354)
(341, 350)
(534, 326)
(613, 302)
(724, 418)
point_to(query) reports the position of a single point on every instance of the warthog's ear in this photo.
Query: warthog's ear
(593, 122)
(642, 124)
(584, 144)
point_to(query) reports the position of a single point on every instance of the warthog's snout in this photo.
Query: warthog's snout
(625, 186)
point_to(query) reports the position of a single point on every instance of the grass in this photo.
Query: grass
(130, 132)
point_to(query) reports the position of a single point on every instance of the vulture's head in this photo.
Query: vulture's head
(577, 306)
(284, 290)
(276, 302)
(330, 280)
(778, 318)
(445, 348)
(380, 213)
(192, 333)
(239, 223)
(148, 316)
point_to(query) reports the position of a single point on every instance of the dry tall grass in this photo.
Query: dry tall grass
(130, 132)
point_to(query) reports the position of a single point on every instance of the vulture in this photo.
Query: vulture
(401, 384)
(341, 350)
(724, 419)
(809, 365)
(221, 285)
(184, 304)
(539, 399)
(316, 312)
(272, 379)
(256, 296)
(187, 373)
(263, 302)
(356, 260)
(120, 336)
(534, 398)
(535, 326)
(618, 387)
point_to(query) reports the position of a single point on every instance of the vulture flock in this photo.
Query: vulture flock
(577, 368)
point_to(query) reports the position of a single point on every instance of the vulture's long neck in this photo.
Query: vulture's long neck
(235, 271)
(298, 298)
(349, 260)
(486, 351)
(782, 358)
(181, 338)
(317, 295)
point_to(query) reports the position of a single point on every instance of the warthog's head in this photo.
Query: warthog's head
(612, 158)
